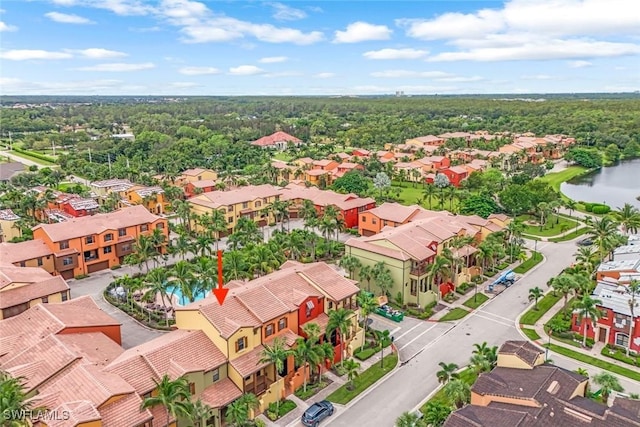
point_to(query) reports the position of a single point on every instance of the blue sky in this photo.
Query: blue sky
(184, 47)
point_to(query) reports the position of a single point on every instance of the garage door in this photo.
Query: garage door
(97, 267)
(67, 274)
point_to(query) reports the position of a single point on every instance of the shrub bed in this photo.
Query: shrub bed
(620, 355)
(33, 154)
(603, 364)
(274, 412)
(312, 389)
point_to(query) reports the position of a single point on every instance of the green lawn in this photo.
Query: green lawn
(66, 185)
(469, 376)
(33, 159)
(527, 265)
(620, 370)
(367, 378)
(409, 195)
(476, 300)
(555, 179)
(544, 304)
(531, 334)
(569, 236)
(455, 314)
(281, 155)
(555, 225)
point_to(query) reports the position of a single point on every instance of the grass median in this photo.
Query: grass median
(455, 314)
(531, 316)
(570, 236)
(534, 260)
(531, 334)
(475, 301)
(620, 370)
(366, 379)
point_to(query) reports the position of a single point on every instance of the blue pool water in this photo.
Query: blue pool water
(182, 300)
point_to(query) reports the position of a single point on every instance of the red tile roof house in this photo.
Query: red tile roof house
(346, 167)
(279, 140)
(348, 205)
(361, 152)
(198, 187)
(78, 206)
(616, 326)
(456, 174)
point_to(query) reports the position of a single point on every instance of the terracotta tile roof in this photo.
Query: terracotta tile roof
(377, 249)
(317, 172)
(322, 321)
(427, 139)
(501, 217)
(80, 312)
(395, 212)
(274, 138)
(8, 215)
(325, 197)
(348, 165)
(10, 274)
(179, 352)
(262, 303)
(193, 172)
(329, 281)
(160, 416)
(289, 338)
(454, 135)
(226, 318)
(524, 350)
(478, 416)
(203, 183)
(125, 412)
(144, 191)
(460, 170)
(249, 362)
(99, 223)
(220, 394)
(79, 412)
(35, 290)
(217, 199)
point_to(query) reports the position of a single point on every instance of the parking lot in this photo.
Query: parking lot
(411, 336)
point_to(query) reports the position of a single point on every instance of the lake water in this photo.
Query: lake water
(615, 185)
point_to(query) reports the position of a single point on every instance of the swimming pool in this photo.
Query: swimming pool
(182, 300)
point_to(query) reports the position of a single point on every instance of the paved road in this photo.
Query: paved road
(494, 322)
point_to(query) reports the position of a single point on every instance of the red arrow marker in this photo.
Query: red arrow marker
(220, 292)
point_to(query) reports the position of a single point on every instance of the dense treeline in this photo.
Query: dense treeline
(214, 131)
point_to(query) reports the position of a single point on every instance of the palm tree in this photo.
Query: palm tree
(480, 363)
(340, 323)
(366, 274)
(629, 217)
(436, 413)
(351, 366)
(407, 419)
(14, 400)
(234, 266)
(571, 205)
(182, 278)
(489, 353)
(602, 231)
(447, 373)
(607, 383)
(183, 245)
(582, 371)
(158, 281)
(441, 268)
(200, 413)
(238, 410)
(350, 263)
(565, 284)
(585, 257)
(458, 392)
(534, 295)
(172, 395)
(367, 304)
(144, 250)
(276, 354)
(587, 309)
(306, 354)
(633, 289)
(429, 192)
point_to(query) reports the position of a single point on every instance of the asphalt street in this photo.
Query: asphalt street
(494, 322)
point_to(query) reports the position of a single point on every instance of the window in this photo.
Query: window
(144, 227)
(241, 344)
(230, 219)
(146, 395)
(39, 261)
(63, 295)
(282, 323)
(269, 330)
(23, 264)
(108, 237)
(67, 260)
(364, 218)
(245, 205)
(160, 226)
(258, 204)
(309, 306)
(330, 305)
(125, 248)
(216, 375)
(192, 388)
(230, 209)
(374, 221)
(106, 250)
(622, 340)
(45, 299)
(122, 232)
(89, 240)
(64, 244)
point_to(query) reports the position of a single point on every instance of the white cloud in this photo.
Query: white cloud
(183, 85)
(99, 53)
(200, 25)
(6, 27)
(542, 50)
(29, 54)
(284, 74)
(395, 54)
(397, 74)
(362, 31)
(245, 70)
(282, 12)
(524, 29)
(198, 71)
(273, 59)
(324, 75)
(579, 64)
(119, 7)
(65, 18)
(119, 67)
(153, 29)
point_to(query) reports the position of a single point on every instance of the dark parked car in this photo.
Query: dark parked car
(585, 242)
(316, 413)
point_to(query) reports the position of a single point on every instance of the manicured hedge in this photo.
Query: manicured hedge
(35, 155)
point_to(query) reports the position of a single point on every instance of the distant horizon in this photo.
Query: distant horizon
(318, 48)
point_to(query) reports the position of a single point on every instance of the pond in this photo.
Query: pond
(614, 185)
